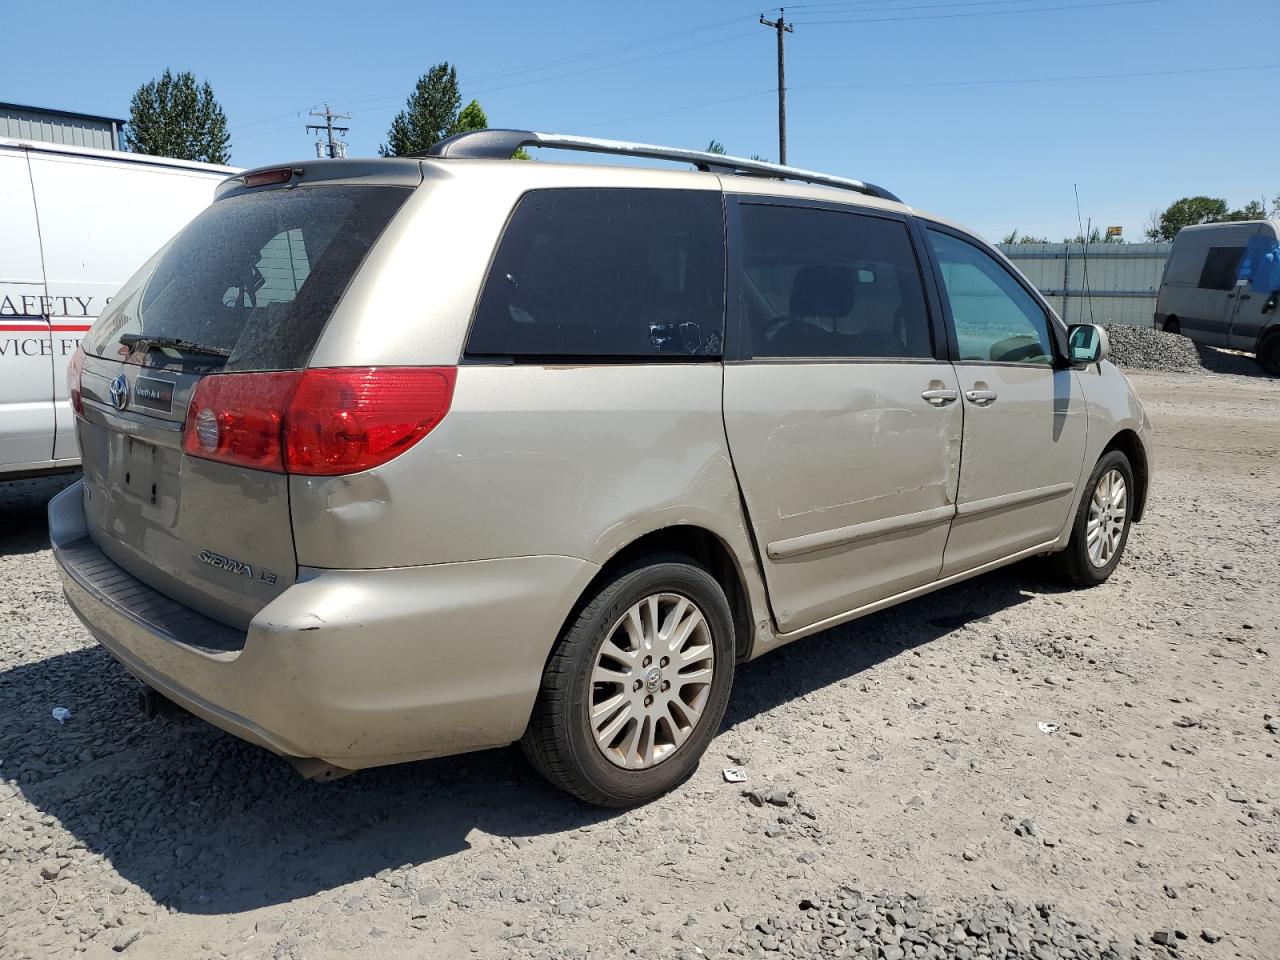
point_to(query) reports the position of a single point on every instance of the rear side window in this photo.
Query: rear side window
(824, 283)
(256, 275)
(1220, 268)
(608, 273)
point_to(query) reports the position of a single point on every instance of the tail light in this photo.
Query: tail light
(320, 422)
(238, 418)
(74, 369)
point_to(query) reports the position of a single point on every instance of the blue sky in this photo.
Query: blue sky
(987, 112)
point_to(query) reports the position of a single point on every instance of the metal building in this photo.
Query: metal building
(1113, 283)
(60, 126)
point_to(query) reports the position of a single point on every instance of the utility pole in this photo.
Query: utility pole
(782, 27)
(334, 149)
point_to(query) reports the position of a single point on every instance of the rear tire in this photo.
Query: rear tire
(622, 724)
(1172, 326)
(1269, 355)
(1101, 526)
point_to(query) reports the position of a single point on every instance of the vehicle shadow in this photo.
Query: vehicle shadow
(24, 524)
(1225, 361)
(205, 823)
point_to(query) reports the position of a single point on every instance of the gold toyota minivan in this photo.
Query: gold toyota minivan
(390, 459)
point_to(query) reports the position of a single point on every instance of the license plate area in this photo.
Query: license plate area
(137, 470)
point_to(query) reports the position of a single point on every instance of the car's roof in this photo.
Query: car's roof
(556, 173)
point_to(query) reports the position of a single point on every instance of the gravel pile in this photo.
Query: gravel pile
(1142, 348)
(848, 923)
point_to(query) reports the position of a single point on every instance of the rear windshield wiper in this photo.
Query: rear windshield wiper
(132, 340)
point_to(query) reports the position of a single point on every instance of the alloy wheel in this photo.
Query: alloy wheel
(651, 680)
(1108, 515)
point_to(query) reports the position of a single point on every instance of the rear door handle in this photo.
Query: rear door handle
(940, 398)
(981, 398)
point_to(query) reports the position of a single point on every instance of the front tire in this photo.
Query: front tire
(637, 685)
(1101, 526)
(1269, 355)
(1172, 326)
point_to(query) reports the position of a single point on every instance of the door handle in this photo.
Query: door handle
(981, 398)
(940, 398)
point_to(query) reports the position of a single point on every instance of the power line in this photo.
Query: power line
(983, 13)
(1021, 80)
(375, 102)
(680, 109)
(782, 28)
(398, 95)
(606, 51)
(931, 83)
(865, 6)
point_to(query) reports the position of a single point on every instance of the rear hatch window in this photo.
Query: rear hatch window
(247, 286)
(251, 282)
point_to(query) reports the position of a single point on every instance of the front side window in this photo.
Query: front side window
(1220, 268)
(996, 319)
(606, 273)
(829, 284)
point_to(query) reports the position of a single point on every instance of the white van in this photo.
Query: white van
(75, 224)
(1221, 286)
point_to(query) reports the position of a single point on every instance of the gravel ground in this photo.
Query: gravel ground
(903, 799)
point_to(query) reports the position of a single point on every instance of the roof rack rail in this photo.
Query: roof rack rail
(501, 144)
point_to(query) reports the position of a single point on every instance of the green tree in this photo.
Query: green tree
(471, 117)
(1013, 236)
(1095, 236)
(716, 147)
(1186, 212)
(1253, 210)
(430, 114)
(176, 117)
(1190, 211)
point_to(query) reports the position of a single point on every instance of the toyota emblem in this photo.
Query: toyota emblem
(119, 392)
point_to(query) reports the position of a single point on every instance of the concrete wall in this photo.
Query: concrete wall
(1123, 278)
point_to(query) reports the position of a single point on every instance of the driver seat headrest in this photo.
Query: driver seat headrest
(822, 290)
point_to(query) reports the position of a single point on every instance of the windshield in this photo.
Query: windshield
(254, 277)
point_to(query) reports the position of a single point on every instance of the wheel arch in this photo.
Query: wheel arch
(698, 544)
(1130, 444)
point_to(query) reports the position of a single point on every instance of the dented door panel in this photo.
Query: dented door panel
(849, 477)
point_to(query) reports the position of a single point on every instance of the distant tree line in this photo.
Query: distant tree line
(1190, 211)
(1165, 224)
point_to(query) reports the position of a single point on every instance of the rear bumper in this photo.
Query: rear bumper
(353, 667)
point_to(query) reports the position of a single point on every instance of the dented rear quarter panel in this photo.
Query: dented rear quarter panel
(576, 461)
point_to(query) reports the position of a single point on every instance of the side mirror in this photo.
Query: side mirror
(1087, 343)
